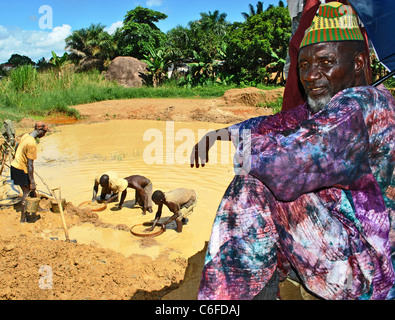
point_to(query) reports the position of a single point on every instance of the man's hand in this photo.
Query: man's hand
(199, 155)
(149, 229)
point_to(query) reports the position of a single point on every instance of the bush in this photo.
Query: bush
(23, 78)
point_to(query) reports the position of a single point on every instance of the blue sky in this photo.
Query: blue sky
(36, 27)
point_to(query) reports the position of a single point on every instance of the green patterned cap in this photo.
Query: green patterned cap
(334, 21)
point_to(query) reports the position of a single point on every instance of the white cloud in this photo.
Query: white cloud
(111, 29)
(34, 44)
(154, 3)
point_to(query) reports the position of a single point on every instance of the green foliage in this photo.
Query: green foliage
(18, 60)
(219, 55)
(242, 53)
(58, 62)
(276, 106)
(140, 35)
(92, 43)
(48, 94)
(259, 44)
(22, 78)
(217, 52)
(157, 63)
(253, 12)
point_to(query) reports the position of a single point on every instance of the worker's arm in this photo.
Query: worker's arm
(123, 196)
(95, 190)
(30, 172)
(157, 217)
(174, 208)
(172, 218)
(113, 198)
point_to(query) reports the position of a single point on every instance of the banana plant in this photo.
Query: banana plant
(157, 63)
(58, 62)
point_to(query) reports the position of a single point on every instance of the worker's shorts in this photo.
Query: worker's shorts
(19, 177)
(187, 208)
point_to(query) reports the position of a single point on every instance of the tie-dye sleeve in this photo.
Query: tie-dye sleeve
(329, 149)
(278, 122)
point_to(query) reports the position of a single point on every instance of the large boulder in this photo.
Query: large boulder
(127, 71)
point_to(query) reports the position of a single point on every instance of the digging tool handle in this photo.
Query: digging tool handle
(66, 232)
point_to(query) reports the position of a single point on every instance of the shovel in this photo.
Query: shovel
(52, 192)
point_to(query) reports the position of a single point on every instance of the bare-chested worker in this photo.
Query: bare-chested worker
(180, 201)
(143, 187)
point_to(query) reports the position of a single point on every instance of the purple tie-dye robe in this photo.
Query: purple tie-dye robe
(317, 193)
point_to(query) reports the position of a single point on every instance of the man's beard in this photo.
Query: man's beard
(317, 104)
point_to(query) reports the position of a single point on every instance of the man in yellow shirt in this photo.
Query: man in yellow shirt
(110, 184)
(22, 168)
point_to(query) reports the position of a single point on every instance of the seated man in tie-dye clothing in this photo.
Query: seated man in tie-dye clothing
(315, 186)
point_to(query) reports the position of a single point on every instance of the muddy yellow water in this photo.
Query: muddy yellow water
(72, 156)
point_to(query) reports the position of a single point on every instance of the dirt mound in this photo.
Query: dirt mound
(29, 260)
(35, 268)
(251, 96)
(235, 106)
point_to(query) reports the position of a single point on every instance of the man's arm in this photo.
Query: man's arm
(278, 122)
(30, 172)
(112, 198)
(199, 154)
(123, 196)
(329, 149)
(157, 217)
(95, 190)
(173, 208)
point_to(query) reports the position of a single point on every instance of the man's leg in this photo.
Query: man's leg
(252, 229)
(242, 253)
(328, 251)
(25, 191)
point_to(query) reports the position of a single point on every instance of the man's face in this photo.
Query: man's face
(41, 133)
(324, 70)
(104, 184)
(158, 202)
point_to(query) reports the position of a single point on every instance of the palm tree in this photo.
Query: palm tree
(214, 21)
(92, 43)
(207, 34)
(253, 12)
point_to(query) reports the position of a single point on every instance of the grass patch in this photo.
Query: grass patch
(29, 93)
(276, 106)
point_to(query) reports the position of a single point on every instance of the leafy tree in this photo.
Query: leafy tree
(253, 12)
(140, 35)
(259, 45)
(42, 64)
(208, 34)
(179, 44)
(201, 43)
(92, 43)
(18, 60)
